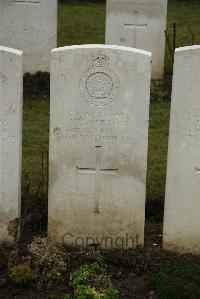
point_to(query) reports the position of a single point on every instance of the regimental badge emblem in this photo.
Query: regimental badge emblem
(99, 85)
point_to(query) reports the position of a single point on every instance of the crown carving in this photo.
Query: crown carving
(101, 60)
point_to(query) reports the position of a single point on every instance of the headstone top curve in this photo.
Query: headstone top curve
(99, 46)
(11, 50)
(187, 48)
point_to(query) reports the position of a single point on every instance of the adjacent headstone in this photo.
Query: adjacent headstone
(139, 24)
(11, 78)
(30, 26)
(182, 201)
(98, 145)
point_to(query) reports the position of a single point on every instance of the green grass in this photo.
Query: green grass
(81, 24)
(35, 141)
(85, 23)
(178, 281)
(157, 153)
(184, 14)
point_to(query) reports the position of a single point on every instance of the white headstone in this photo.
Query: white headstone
(98, 145)
(182, 200)
(139, 24)
(11, 78)
(30, 26)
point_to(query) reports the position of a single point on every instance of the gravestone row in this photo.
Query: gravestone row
(98, 146)
(31, 26)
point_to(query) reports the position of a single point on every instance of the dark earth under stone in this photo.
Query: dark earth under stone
(129, 269)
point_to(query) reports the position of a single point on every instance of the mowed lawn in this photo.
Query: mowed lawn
(85, 24)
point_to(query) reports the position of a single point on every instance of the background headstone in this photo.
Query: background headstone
(139, 24)
(182, 200)
(98, 145)
(30, 26)
(11, 80)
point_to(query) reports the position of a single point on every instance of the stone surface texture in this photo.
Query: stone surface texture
(30, 26)
(98, 145)
(11, 80)
(139, 24)
(182, 200)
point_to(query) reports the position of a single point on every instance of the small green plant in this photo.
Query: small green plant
(92, 282)
(22, 275)
(86, 292)
(49, 260)
(94, 273)
(180, 281)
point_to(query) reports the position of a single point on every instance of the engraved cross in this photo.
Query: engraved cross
(135, 27)
(98, 171)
